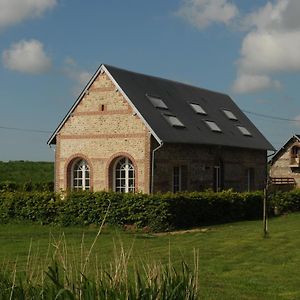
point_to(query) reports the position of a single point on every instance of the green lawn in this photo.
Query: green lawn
(235, 261)
(25, 171)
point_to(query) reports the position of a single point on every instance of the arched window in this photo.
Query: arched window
(124, 177)
(80, 175)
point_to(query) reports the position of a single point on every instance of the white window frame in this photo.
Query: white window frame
(127, 167)
(83, 164)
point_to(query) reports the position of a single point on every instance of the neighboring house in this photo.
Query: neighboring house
(285, 164)
(130, 132)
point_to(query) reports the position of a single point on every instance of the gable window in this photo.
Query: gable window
(124, 176)
(198, 108)
(295, 155)
(230, 115)
(80, 175)
(157, 102)
(179, 178)
(173, 121)
(244, 130)
(213, 126)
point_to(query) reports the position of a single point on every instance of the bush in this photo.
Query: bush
(286, 202)
(156, 212)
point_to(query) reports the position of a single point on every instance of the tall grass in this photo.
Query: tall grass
(59, 275)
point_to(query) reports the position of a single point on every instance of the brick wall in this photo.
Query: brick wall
(200, 161)
(102, 127)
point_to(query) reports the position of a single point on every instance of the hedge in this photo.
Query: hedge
(157, 212)
(286, 202)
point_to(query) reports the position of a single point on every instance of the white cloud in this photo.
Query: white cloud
(26, 57)
(202, 13)
(16, 11)
(270, 52)
(79, 76)
(271, 47)
(246, 83)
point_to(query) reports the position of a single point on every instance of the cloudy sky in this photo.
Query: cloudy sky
(50, 48)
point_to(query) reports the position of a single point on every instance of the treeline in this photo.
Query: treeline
(152, 212)
(21, 172)
(10, 186)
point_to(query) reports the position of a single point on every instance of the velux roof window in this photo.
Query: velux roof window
(244, 130)
(157, 102)
(198, 108)
(230, 115)
(174, 121)
(213, 126)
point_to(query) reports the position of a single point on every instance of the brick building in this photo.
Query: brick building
(133, 132)
(285, 164)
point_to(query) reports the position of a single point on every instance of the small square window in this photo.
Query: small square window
(244, 130)
(198, 108)
(174, 121)
(230, 115)
(213, 126)
(157, 102)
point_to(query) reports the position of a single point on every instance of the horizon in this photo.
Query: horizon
(50, 49)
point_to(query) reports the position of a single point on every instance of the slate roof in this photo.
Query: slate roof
(137, 88)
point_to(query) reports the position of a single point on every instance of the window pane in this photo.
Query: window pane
(81, 175)
(244, 130)
(157, 102)
(124, 176)
(198, 109)
(174, 121)
(213, 126)
(229, 114)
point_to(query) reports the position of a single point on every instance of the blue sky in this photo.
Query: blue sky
(50, 48)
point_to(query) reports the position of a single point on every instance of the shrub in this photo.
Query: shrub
(157, 212)
(286, 202)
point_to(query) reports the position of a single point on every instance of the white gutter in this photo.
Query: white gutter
(152, 165)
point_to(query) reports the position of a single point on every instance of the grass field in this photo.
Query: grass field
(24, 171)
(235, 261)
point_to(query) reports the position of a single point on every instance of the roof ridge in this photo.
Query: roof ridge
(166, 79)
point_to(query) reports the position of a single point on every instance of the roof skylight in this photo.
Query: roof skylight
(198, 108)
(157, 102)
(244, 130)
(174, 121)
(213, 126)
(230, 115)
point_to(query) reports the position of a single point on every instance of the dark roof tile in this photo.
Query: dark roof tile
(177, 97)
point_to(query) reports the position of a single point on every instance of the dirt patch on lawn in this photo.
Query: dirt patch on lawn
(202, 230)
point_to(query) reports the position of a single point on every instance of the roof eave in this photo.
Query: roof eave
(52, 139)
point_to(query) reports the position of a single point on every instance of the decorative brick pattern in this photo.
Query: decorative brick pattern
(99, 136)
